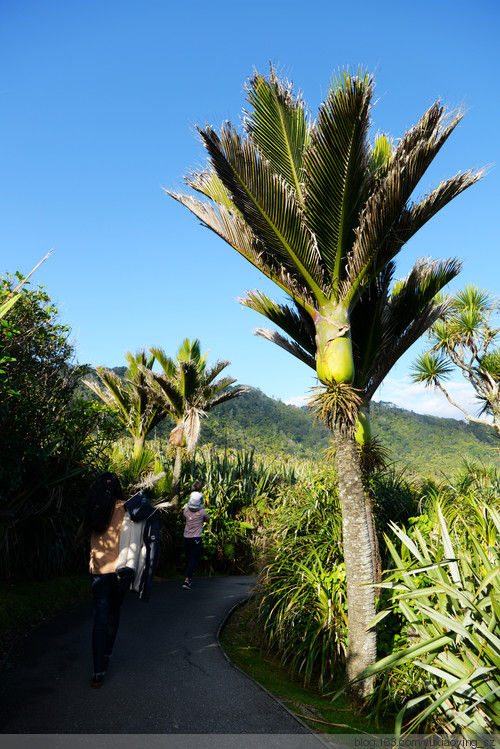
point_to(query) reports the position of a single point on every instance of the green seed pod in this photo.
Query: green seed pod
(363, 430)
(334, 358)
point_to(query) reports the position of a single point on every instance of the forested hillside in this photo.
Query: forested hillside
(427, 445)
(430, 445)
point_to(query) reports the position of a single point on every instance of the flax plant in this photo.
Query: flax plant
(302, 591)
(449, 593)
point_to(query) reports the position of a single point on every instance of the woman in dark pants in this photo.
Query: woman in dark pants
(104, 515)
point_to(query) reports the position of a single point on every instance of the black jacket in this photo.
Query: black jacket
(138, 508)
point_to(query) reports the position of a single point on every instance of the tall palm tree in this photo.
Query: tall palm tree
(129, 397)
(187, 390)
(323, 213)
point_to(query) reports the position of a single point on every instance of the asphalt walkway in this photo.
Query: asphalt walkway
(168, 676)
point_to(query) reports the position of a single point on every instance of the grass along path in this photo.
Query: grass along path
(26, 603)
(309, 704)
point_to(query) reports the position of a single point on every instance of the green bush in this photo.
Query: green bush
(446, 585)
(50, 444)
(302, 592)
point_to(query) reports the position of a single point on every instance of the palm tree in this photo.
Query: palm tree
(465, 338)
(384, 324)
(388, 318)
(187, 390)
(323, 213)
(129, 397)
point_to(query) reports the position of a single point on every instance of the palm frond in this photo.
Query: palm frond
(297, 323)
(384, 325)
(188, 379)
(387, 221)
(211, 389)
(165, 392)
(336, 167)
(369, 335)
(214, 371)
(191, 351)
(267, 205)
(229, 225)
(278, 126)
(167, 364)
(227, 395)
(285, 343)
(114, 393)
(209, 184)
(414, 216)
(139, 358)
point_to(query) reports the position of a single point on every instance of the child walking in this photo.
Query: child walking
(195, 516)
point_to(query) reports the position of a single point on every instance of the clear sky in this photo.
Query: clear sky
(99, 99)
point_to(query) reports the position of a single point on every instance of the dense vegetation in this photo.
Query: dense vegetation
(51, 443)
(426, 445)
(274, 509)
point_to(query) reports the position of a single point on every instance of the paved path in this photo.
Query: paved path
(168, 676)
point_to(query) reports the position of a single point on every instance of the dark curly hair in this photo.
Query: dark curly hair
(101, 501)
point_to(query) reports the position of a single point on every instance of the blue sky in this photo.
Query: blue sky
(99, 103)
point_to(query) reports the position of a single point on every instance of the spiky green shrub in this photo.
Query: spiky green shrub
(238, 488)
(447, 587)
(302, 593)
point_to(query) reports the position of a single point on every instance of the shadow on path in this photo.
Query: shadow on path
(168, 675)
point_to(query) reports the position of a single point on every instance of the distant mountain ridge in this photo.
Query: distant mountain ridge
(426, 445)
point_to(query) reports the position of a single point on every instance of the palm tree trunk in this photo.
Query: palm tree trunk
(375, 546)
(361, 640)
(176, 477)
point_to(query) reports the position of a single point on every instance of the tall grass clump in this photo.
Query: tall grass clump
(445, 584)
(302, 594)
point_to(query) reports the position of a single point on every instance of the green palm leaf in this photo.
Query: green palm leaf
(388, 221)
(336, 167)
(279, 128)
(268, 206)
(295, 322)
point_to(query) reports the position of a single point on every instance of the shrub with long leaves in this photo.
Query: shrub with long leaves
(449, 594)
(302, 593)
(238, 488)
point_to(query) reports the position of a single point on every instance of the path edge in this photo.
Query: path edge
(263, 688)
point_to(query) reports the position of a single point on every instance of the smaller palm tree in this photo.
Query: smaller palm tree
(129, 397)
(187, 390)
(465, 338)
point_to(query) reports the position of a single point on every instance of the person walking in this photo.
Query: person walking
(104, 515)
(195, 516)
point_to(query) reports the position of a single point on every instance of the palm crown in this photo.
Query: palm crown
(128, 397)
(188, 388)
(319, 210)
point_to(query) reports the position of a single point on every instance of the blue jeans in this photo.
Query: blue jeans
(193, 548)
(107, 597)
